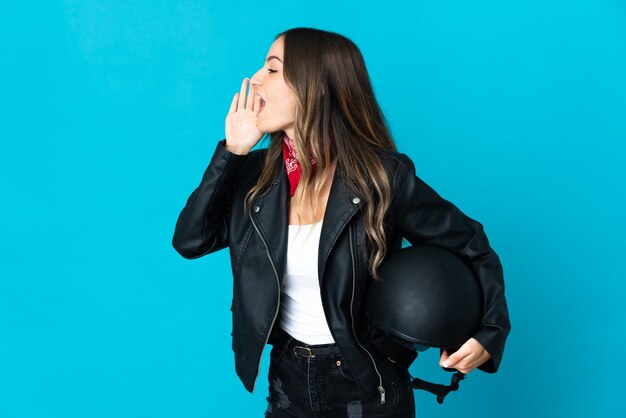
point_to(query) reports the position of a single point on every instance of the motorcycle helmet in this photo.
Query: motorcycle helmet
(428, 297)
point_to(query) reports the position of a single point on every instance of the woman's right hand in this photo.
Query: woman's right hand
(242, 133)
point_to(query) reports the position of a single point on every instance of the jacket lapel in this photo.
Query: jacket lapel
(342, 205)
(272, 220)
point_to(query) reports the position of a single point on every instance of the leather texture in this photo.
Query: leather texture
(213, 218)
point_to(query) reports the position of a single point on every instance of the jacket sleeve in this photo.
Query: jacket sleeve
(424, 217)
(202, 226)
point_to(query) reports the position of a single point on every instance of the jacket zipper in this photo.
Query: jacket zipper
(277, 305)
(381, 389)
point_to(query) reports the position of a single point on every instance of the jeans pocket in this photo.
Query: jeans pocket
(344, 370)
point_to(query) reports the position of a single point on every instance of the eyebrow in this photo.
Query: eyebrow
(272, 57)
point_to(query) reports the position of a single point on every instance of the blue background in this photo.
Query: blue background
(110, 112)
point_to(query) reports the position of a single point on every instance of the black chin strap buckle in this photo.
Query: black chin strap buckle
(440, 390)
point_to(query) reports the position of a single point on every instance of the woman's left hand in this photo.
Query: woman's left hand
(471, 355)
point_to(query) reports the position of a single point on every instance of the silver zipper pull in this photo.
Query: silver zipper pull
(382, 394)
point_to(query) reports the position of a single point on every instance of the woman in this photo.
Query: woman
(308, 222)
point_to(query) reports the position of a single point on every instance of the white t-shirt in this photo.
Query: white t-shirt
(302, 314)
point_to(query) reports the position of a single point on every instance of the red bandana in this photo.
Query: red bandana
(294, 170)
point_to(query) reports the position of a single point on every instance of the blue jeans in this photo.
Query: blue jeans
(322, 386)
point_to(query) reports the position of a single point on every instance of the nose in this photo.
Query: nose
(255, 79)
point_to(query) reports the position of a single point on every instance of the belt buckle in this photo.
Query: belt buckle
(309, 354)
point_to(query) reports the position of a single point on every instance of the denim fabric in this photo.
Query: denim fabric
(323, 387)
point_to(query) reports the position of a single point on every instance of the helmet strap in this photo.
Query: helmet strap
(440, 390)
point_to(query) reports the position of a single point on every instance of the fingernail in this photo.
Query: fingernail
(446, 363)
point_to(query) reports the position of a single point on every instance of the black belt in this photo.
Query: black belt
(300, 349)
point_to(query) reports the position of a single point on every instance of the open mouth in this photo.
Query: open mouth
(262, 105)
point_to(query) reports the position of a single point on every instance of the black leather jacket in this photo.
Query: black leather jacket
(213, 218)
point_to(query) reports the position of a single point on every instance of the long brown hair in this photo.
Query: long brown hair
(335, 107)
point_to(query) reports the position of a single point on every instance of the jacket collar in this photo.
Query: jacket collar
(272, 219)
